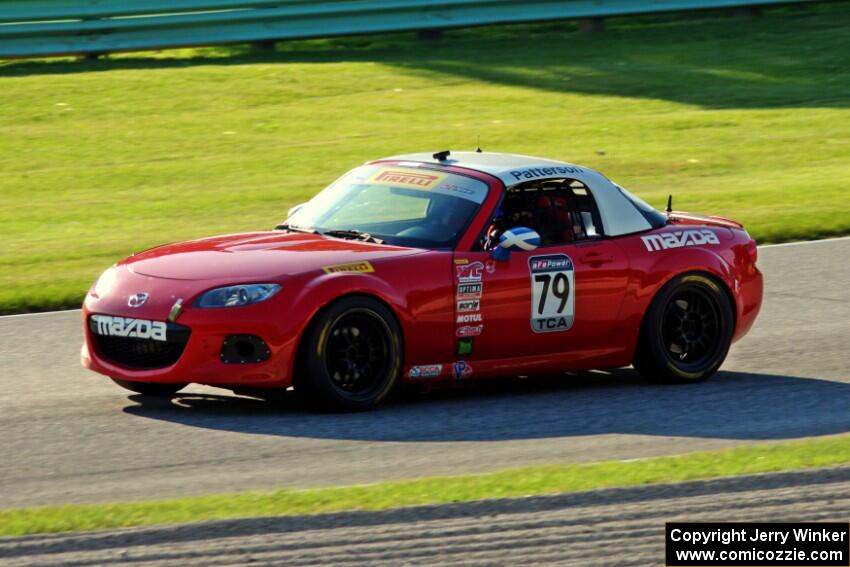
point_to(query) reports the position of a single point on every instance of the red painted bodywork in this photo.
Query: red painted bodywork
(615, 280)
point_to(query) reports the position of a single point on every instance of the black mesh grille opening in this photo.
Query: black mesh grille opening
(144, 353)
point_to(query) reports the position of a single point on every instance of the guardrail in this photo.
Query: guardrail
(38, 28)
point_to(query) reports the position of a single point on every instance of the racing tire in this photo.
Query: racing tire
(686, 332)
(150, 388)
(351, 355)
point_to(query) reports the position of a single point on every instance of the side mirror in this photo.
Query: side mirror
(518, 238)
(294, 209)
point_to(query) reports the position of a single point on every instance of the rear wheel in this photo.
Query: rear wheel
(686, 332)
(351, 355)
(150, 388)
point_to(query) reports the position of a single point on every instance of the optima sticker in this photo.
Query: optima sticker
(127, 327)
(679, 238)
(404, 178)
(470, 291)
(360, 267)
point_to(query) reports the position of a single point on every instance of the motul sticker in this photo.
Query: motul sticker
(469, 318)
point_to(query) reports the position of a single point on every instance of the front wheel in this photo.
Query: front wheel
(150, 388)
(686, 331)
(351, 355)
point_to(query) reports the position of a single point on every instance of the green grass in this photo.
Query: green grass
(516, 482)
(743, 118)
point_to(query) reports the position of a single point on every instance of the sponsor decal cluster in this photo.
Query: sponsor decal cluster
(405, 178)
(470, 288)
(425, 371)
(127, 327)
(359, 267)
(679, 239)
(535, 172)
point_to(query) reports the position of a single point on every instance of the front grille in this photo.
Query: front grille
(143, 354)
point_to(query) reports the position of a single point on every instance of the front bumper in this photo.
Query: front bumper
(201, 361)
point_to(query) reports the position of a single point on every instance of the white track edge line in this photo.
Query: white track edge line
(798, 243)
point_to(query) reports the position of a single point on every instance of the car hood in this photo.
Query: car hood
(255, 256)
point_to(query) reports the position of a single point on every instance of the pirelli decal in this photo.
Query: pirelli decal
(407, 178)
(359, 267)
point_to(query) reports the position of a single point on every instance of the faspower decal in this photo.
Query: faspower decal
(534, 172)
(127, 327)
(470, 272)
(469, 291)
(469, 331)
(679, 238)
(425, 371)
(461, 369)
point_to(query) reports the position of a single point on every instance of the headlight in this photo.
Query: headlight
(237, 295)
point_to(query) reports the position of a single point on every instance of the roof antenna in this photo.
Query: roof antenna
(669, 208)
(442, 156)
(478, 150)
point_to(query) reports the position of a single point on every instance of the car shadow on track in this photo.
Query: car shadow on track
(732, 405)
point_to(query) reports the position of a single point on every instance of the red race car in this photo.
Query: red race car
(424, 268)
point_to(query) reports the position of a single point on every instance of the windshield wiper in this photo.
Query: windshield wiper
(293, 228)
(355, 234)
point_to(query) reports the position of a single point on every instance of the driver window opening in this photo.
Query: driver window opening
(560, 210)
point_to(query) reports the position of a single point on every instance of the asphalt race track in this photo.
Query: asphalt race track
(72, 436)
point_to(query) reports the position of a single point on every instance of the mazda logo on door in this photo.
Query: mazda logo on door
(137, 300)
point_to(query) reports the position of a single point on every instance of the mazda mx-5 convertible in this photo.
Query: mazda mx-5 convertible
(431, 268)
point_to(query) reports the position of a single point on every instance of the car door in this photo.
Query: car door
(548, 301)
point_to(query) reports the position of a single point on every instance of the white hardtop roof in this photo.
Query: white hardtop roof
(510, 168)
(619, 214)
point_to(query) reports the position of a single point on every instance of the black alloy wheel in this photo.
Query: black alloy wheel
(356, 351)
(350, 356)
(691, 326)
(687, 330)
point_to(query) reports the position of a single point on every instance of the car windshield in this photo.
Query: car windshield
(404, 205)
